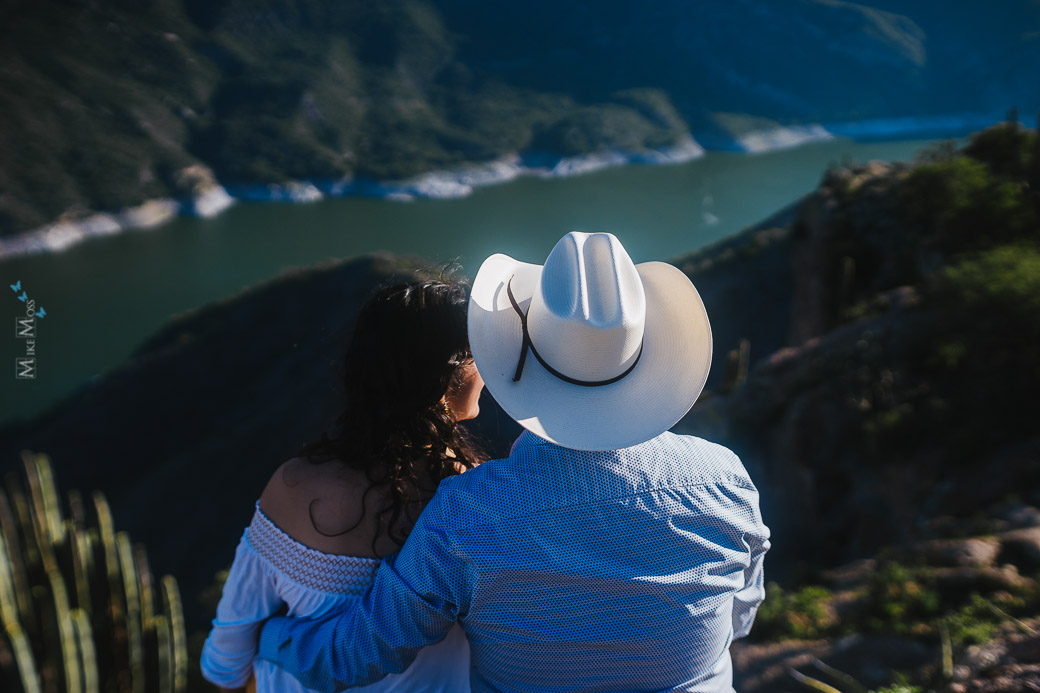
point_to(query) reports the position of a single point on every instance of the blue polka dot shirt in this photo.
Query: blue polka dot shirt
(568, 570)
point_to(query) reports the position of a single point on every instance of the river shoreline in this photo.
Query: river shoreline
(462, 181)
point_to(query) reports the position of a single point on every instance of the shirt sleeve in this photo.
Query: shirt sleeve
(250, 596)
(747, 599)
(415, 598)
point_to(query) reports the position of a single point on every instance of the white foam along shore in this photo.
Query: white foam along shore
(461, 182)
(785, 137)
(445, 184)
(64, 234)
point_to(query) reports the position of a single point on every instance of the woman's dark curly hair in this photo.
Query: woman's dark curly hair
(408, 349)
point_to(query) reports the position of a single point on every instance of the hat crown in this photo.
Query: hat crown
(587, 314)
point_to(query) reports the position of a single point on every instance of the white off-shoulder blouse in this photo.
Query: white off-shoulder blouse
(270, 569)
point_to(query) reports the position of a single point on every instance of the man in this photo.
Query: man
(604, 554)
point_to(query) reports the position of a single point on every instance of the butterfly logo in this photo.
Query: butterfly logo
(17, 286)
(23, 297)
(41, 312)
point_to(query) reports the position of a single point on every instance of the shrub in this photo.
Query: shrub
(1006, 279)
(991, 301)
(900, 598)
(975, 622)
(963, 206)
(1006, 148)
(900, 687)
(980, 619)
(800, 615)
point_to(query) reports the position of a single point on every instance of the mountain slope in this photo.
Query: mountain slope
(106, 105)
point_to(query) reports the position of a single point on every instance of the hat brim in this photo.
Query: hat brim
(663, 386)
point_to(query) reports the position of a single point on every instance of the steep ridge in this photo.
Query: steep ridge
(910, 361)
(894, 442)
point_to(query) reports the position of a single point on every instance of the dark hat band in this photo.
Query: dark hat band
(529, 345)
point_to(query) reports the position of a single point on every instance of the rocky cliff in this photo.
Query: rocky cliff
(893, 438)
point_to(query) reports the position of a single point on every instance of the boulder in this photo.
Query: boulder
(962, 581)
(976, 552)
(1019, 516)
(1021, 547)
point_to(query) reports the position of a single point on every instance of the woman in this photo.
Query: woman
(328, 515)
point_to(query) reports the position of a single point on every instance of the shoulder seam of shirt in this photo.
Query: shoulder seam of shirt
(746, 487)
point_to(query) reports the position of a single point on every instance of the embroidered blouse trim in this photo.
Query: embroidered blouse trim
(309, 567)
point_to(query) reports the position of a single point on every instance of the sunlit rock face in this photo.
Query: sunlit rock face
(895, 390)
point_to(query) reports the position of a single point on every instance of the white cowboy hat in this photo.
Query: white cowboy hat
(589, 351)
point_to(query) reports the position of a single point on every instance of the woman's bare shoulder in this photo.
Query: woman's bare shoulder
(299, 481)
(282, 489)
(319, 505)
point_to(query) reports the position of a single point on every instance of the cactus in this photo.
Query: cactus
(847, 283)
(29, 677)
(47, 512)
(82, 565)
(179, 636)
(78, 603)
(67, 635)
(146, 590)
(737, 363)
(134, 630)
(164, 661)
(19, 580)
(80, 621)
(23, 521)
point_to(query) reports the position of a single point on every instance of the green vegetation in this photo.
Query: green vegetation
(938, 265)
(603, 126)
(901, 685)
(981, 198)
(804, 614)
(103, 103)
(981, 618)
(80, 609)
(1011, 151)
(893, 599)
(948, 250)
(1004, 279)
(991, 300)
(900, 599)
(897, 598)
(974, 622)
